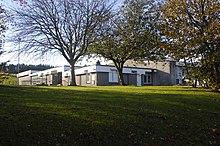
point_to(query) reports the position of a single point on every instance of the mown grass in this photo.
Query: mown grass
(109, 116)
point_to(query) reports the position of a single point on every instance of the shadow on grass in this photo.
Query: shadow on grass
(103, 116)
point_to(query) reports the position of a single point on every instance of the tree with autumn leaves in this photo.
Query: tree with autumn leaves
(191, 31)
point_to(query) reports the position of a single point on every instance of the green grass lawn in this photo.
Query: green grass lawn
(147, 116)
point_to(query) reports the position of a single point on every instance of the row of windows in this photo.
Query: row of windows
(113, 77)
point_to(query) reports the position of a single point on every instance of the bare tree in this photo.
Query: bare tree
(3, 17)
(66, 26)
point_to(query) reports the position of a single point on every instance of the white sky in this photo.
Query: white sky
(55, 60)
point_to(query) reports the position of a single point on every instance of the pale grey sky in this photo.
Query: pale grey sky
(56, 59)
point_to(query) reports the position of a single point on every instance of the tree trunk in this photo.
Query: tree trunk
(121, 78)
(119, 67)
(195, 83)
(72, 77)
(217, 74)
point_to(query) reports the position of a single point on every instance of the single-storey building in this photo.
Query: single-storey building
(104, 75)
(134, 73)
(53, 76)
(95, 75)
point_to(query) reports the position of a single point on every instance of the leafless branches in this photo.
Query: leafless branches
(67, 26)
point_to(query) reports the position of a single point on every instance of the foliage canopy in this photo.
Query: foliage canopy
(130, 34)
(191, 30)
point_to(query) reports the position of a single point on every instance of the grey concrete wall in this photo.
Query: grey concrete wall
(154, 79)
(163, 73)
(57, 78)
(166, 71)
(130, 79)
(103, 79)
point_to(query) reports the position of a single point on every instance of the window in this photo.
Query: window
(87, 76)
(147, 78)
(113, 76)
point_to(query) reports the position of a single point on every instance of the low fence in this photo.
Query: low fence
(8, 82)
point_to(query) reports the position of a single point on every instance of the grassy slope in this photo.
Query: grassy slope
(12, 80)
(108, 116)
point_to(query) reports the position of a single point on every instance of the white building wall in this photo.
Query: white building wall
(82, 71)
(125, 69)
